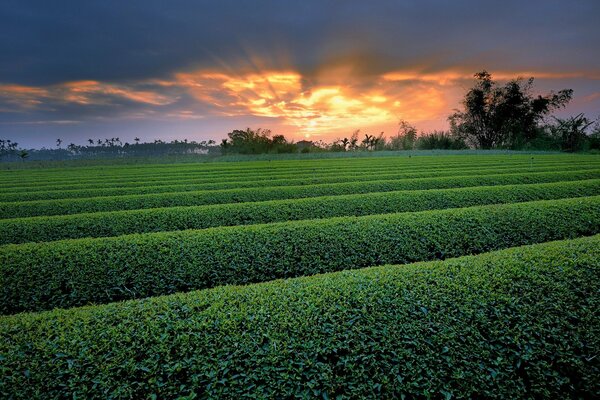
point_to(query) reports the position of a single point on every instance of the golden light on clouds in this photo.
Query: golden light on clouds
(313, 107)
(332, 101)
(79, 92)
(22, 96)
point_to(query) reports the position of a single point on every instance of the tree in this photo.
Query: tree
(572, 132)
(137, 140)
(345, 142)
(367, 141)
(496, 116)
(405, 138)
(23, 154)
(58, 142)
(440, 140)
(354, 140)
(91, 142)
(224, 146)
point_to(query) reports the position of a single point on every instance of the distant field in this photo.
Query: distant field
(505, 322)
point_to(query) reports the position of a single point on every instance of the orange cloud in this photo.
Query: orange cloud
(23, 96)
(79, 92)
(333, 100)
(450, 77)
(85, 92)
(320, 107)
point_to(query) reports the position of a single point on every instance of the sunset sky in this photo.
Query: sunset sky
(307, 69)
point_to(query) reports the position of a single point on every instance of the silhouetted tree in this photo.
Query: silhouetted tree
(345, 142)
(23, 154)
(572, 132)
(405, 137)
(354, 140)
(503, 116)
(367, 141)
(440, 140)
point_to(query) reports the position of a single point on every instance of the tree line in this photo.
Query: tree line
(107, 147)
(492, 116)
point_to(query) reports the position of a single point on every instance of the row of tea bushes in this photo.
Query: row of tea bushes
(56, 176)
(38, 276)
(132, 202)
(196, 184)
(115, 223)
(519, 323)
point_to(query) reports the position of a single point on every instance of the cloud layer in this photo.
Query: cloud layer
(318, 69)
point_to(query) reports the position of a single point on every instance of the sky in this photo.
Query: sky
(315, 70)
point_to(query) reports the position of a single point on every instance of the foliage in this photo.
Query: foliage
(256, 142)
(440, 140)
(44, 229)
(503, 116)
(109, 148)
(38, 276)
(405, 138)
(20, 189)
(519, 323)
(572, 132)
(261, 193)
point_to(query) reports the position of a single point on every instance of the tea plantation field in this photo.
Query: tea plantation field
(449, 276)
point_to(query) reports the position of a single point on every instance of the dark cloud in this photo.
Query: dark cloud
(46, 42)
(129, 46)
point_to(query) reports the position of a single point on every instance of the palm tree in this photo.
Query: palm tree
(345, 143)
(91, 142)
(58, 142)
(368, 141)
(137, 140)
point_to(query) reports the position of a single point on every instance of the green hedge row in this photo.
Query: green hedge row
(38, 276)
(72, 182)
(101, 172)
(197, 184)
(324, 169)
(132, 202)
(514, 324)
(115, 223)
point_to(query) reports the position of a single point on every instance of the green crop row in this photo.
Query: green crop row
(115, 223)
(69, 181)
(97, 177)
(38, 276)
(283, 180)
(514, 324)
(266, 166)
(132, 202)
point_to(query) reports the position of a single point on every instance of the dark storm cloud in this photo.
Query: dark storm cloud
(44, 42)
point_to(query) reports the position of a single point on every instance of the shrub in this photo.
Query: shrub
(519, 323)
(288, 179)
(131, 202)
(38, 276)
(114, 223)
